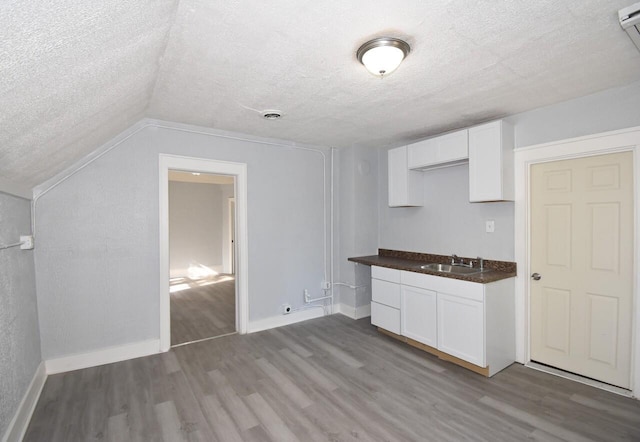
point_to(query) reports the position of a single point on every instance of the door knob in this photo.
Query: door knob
(536, 276)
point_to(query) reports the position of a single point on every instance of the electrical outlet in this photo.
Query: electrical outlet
(26, 242)
(490, 226)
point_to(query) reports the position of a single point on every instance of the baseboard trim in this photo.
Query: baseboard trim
(354, 312)
(20, 422)
(103, 356)
(279, 321)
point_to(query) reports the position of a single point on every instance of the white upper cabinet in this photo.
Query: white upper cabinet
(491, 162)
(405, 186)
(442, 151)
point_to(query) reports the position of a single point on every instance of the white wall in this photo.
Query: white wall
(97, 260)
(195, 226)
(19, 334)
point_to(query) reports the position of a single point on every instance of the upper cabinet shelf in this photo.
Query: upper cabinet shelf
(445, 150)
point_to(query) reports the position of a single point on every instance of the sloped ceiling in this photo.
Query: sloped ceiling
(74, 74)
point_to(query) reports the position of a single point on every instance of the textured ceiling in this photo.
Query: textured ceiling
(73, 74)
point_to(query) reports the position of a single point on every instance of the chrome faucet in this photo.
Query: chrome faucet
(454, 258)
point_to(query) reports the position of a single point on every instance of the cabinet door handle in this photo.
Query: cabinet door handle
(536, 276)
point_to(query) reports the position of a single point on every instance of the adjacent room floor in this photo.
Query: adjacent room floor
(202, 308)
(328, 379)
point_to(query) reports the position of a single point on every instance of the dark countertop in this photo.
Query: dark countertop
(411, 261)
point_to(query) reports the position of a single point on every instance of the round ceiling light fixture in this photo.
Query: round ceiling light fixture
(271, 114)
(383, 55)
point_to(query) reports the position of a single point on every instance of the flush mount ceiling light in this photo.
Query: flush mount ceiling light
(383, 55)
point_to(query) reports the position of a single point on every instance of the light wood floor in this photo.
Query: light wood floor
(203, 311)
(328, 379)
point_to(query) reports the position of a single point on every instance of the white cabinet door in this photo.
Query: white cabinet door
(419, 316)
(461, 328)
(491, 162)
(405, 186)
(454, 147)
(449, 149)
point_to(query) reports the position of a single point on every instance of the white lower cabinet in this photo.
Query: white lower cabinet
(385, 298)
(418, 315)
(461, 328)
(473, 322)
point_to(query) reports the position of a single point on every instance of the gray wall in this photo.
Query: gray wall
(97, 260)
(448, 223)
(195, 226)
(608, 110)
(357, 212)
(19, 335)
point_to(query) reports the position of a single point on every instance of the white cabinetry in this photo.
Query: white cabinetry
(385, 298)
(461, 328)
(405, 186)
(472, 322)
(491, 162)
(442, 151)
(418, 315)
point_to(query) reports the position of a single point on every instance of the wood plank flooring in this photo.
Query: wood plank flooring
(328, 379)
(203, 311)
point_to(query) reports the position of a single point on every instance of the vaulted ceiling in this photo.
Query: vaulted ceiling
(73, 74)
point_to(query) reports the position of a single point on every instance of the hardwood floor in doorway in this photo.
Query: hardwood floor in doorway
(328, 379)
(202, 309)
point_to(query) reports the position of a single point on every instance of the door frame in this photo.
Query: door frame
(231, 208)
(591, 145)
(203, 165)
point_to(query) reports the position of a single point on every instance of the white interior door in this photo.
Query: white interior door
(582, 252)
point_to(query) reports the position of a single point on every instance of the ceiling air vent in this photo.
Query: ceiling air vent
(630, 22)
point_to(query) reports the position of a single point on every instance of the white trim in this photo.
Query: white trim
(101, 357)
(599, 144)
(20, 422)
(354, 312)
(16, 189)
(280, 320)
(577, 378)
(239, 170)
(231, 208)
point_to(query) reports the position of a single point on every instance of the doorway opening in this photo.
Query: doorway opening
(201, 271)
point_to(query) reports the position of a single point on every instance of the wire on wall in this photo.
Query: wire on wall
(8, 246)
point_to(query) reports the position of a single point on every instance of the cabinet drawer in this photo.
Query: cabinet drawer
(385, 292)
(385, 317)
(464, 289)
(391, 275)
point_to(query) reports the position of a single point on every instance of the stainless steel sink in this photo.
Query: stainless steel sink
(454, 269)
